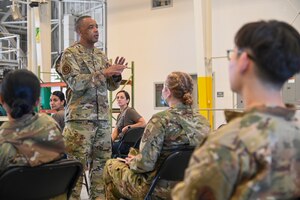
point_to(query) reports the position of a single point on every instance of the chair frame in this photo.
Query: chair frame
(41, 182)
(133, 135)
(172, 168)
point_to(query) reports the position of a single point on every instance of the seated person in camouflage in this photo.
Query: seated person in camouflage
(176, 127)
(257, 154)
(28, 138)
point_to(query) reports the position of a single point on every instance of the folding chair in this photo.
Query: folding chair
(131, 138)
(41, 182)
(85, 182)
(172, 168)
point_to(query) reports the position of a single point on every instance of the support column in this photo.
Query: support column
(44, 55)
(39, 40)
(202, 15)
(69, 30)
(31, 59)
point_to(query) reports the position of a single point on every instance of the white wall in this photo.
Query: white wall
(163, 40)
(227, 17)
(158, 41)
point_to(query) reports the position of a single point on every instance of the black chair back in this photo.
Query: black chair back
(172, 168)
(41, 182)
(131, 138)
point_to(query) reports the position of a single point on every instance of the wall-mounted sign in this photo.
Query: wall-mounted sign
(161, 3)
(220, 94)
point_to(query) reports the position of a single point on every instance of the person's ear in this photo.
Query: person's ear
(1, 99)
(78, 31)
(168, 92)
(37, 102)
(244, 62)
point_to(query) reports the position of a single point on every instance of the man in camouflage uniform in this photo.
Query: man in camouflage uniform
(88, 75)
(256, 155)
(172, 129)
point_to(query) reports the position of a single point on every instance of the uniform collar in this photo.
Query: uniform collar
(21, 122)
(288, 112)
(82, 48)
(179, 106)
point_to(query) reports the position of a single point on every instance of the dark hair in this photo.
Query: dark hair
(181, 86)
(20, 91)
(126, 95)
(60, 95)
(6, 71)
(274, 46)
(79, 20)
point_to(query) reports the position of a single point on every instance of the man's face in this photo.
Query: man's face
(88, 31)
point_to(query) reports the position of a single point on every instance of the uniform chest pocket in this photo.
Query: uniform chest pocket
(84, 68)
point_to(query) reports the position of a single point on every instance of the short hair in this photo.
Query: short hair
(126, 95)
(60, 95)
(20, 90)
(181, 86)
(6, 71)
(78, 22)
(274, 47)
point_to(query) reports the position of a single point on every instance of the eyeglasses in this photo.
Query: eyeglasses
(230, 53)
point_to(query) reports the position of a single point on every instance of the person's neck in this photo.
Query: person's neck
(10, 117)
(258, 96)
(172, 102)
(122, 108)
(87, 44)
(60, 108)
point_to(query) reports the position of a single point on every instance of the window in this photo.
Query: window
(158, 101)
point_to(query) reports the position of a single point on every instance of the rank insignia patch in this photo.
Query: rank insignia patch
(66, 69)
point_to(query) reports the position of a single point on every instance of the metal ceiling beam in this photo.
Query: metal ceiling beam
(5, 16)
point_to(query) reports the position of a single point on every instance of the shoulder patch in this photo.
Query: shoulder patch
(66, 69)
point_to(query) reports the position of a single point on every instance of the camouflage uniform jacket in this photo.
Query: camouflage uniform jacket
(86, 99)
(255, 156)
(167, 131)
(31, 140)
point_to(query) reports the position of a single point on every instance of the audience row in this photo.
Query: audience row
(254, 156)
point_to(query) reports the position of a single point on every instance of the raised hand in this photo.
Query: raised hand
(120, 61)
(117, 68)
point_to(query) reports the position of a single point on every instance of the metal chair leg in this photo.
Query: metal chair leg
(86, 183)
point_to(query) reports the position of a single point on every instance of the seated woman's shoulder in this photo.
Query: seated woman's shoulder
(44, 119)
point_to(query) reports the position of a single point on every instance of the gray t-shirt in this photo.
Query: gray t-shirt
(60, 118)
(127, 117)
